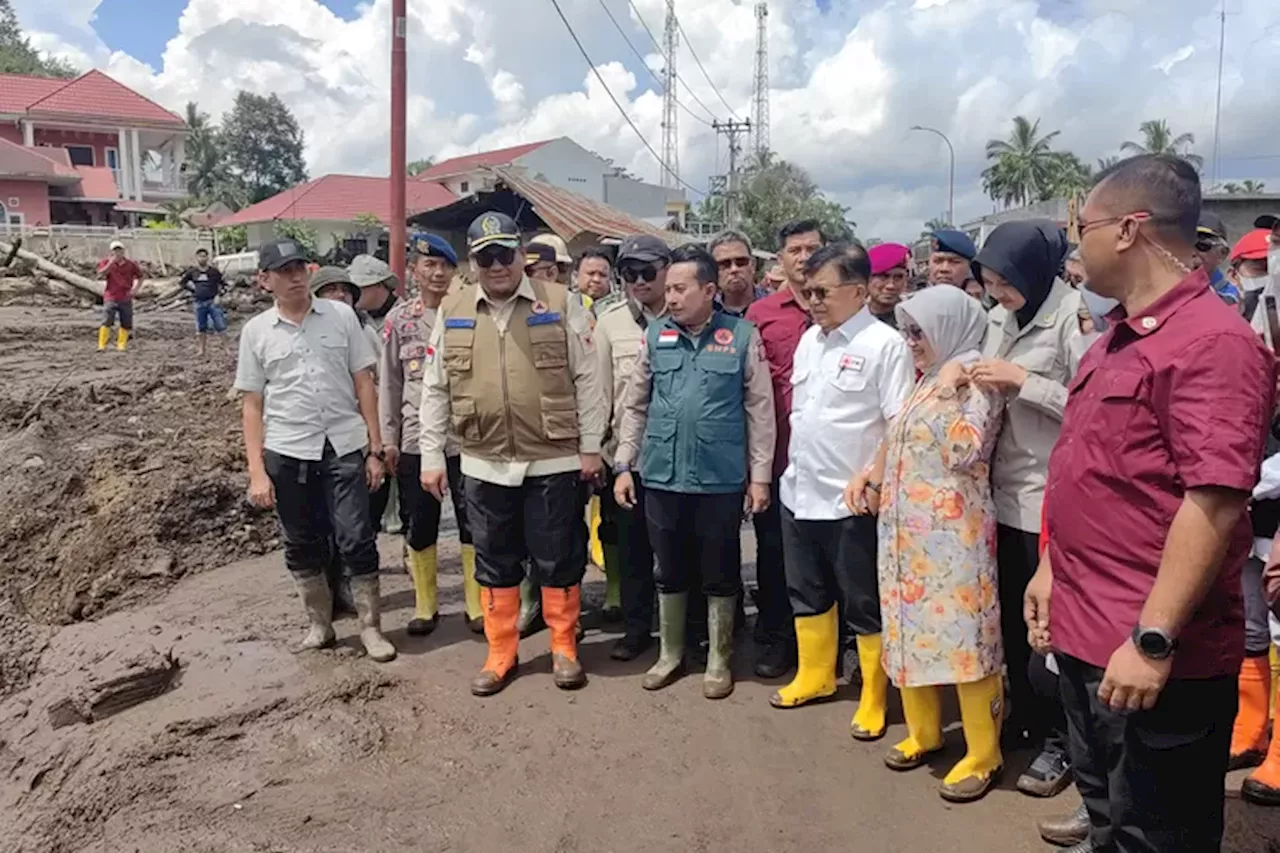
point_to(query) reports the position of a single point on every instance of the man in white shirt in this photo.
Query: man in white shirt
(850, 377)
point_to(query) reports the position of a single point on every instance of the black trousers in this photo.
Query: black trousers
(420, 510)
(317, 500)
(627, 529)
(833, 562)
(540, 519)
(1048, 705)
(774, 624)
(1152, 781)
(1018, 557)
(693, 530)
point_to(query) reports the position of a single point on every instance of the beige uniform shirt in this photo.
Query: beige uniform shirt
(591, 401)
(1048, 349)
(400, 373)
(758, 398)
(619, 336)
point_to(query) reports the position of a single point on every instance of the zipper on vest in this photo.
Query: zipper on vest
(506, 396)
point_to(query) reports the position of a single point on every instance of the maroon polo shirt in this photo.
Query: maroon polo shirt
(781, 321)
(1176, 398)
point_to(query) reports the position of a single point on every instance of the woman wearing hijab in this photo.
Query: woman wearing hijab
(1030, 353)
(937, 565)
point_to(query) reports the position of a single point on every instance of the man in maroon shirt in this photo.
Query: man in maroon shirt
(781, 321)
(123, 278)
(1138, 593)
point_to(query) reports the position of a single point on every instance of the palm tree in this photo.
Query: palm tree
(938, 223)
(1021, 166)
(1068, 177)
(1157, 138)
(1105, 163)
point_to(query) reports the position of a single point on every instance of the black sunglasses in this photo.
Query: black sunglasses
(733, 263)
(631, 274)
(490, 255)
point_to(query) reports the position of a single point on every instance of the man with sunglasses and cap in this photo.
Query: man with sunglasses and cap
(511, 366)
(953, 252)
(1211, 249)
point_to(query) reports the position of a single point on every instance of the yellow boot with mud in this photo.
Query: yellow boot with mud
(561, 609)
(868, 723)
(422, 568)
(816, 640)
(981, 712)
(501, 612)
(471, 590)
(104, 335)
(122, 340)
(922, 707)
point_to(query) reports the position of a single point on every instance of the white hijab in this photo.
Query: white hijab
(953, 323)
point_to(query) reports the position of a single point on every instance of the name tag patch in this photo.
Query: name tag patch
(668, 337)
(543, 319)
(852, 362)
(459, 323)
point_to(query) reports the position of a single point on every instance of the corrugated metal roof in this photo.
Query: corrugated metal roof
(570, 215)
(469, 162)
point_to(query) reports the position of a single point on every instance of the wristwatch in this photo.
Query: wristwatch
(621, 468)
(1154, 643)
(381, 455)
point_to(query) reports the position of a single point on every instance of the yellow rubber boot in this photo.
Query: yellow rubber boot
(471, 590)
(104, 335)
(422, 568)
(596, 553)
(981, 712)
(868, 723)
(122, 339)
(816, 640)
(922, 706)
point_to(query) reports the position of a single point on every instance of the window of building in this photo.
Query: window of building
(465, 187)
(81, 155)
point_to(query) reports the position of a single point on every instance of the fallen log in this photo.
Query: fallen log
(76, 280)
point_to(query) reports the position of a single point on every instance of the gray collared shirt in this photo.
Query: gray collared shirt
(305, 375)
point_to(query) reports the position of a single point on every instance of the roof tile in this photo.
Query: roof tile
(92, 94)
(342, 198)
(467, 162)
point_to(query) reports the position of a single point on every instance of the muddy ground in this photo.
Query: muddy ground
(129, 557)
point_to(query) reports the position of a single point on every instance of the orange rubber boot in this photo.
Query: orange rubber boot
(561, 609)
(501, 611)
(1263, 785)
(1249, 735)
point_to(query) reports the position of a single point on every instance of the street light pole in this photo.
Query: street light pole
(396, 247)
(951, 175)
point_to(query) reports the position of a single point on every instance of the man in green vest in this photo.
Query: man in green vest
(512, 366)
(699, 417)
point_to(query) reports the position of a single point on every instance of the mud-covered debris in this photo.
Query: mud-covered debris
(114, 684)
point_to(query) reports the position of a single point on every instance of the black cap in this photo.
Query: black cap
(493, 229)
(1211, 225)
(644, 248)
(278, 253)
(538, 252)
(1267, 220)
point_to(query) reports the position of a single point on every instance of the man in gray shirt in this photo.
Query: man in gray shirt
(310, 415)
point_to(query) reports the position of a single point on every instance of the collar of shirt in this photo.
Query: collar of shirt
(525, 289)
(642, 315)
(1163, 308)
(317, 307)
(846, 331)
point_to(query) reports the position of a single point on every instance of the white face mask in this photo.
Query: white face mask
(1248, 285)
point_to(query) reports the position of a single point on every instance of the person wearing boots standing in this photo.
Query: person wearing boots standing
(698, 417)
(852, 375)
(312, 439)
(123, 278)
(511, 365)
(432, 264)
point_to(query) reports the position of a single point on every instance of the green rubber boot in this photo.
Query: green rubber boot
(612, 584)
(530, 621)
(673, 609)
(718, 681)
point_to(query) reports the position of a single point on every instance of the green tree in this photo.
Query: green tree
(938, 223)
(291, 229)
(1068, 177)
(1105, 163)
(1157, 138)
(1023, 166)
(17, 56)
(775, 191)
(1246, 187)
(263, 144)
(417, 167)
(232, 239)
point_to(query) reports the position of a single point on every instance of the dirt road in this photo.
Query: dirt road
(254, 749)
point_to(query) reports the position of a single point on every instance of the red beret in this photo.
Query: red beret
(886, 256)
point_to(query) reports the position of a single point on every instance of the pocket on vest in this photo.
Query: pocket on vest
(559, 418)
(658, 453)
(722, 452)
(466, 424)
(549, 347)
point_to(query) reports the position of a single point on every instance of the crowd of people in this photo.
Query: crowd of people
(1045, 475)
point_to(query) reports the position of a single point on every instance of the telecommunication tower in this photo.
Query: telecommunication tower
(760, 118)
(670, 133)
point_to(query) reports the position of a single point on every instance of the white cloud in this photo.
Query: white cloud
(847, 83)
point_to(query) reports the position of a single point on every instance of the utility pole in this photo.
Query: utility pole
(1217, 111)
(761, 99)
(399, 166)
(733, 132)
(670, 131)
(951, 172)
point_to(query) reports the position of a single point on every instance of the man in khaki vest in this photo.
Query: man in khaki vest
(511, 365)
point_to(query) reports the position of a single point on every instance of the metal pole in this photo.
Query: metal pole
(399, 27)
(951, 174)
(1217, 110)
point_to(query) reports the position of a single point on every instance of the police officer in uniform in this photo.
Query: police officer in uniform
(511, 365)
(432, 265)
(699, 418)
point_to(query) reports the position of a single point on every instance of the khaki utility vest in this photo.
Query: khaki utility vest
(512, 395)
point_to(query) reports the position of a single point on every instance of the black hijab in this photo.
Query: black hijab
(1029, 255)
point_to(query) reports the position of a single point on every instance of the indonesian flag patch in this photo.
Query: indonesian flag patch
(851, 362)
(668, 337)
(429, 356)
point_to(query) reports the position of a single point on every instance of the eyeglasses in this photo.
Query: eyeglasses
(1139, 215)
(913, 333)
(632, 274)
(734, 263)
(817, 294)
(490, 255)
(1207, 245)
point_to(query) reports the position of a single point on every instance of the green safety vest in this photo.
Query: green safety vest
(695, 439)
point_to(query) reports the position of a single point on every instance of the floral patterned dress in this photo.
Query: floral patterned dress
(937, 545)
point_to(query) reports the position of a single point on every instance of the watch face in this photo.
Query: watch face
(1153, 643)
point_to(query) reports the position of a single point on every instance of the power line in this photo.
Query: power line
(704, 70)
(607, 91)
(638, 56)
(663, 54)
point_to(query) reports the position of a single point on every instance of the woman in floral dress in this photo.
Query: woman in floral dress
(937, 549)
